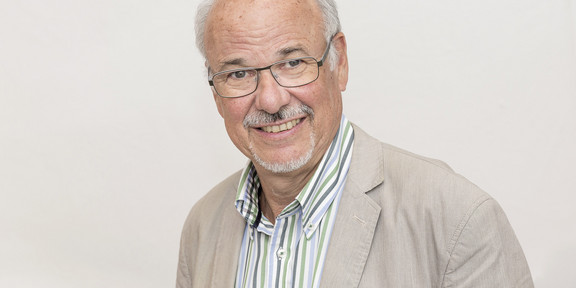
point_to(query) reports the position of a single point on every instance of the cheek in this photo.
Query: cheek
(324, 97)
(327, 104)
(233, 111)
(232, 108)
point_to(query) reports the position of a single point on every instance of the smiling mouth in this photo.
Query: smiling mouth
(280, 128)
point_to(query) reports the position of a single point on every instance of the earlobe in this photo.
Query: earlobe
(342, 49)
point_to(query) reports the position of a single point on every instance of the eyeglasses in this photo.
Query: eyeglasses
(288, 73)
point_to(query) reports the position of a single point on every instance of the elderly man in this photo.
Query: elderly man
(321, 203)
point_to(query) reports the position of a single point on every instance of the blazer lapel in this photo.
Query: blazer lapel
(357, 216)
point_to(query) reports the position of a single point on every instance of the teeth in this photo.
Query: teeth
(280, 128)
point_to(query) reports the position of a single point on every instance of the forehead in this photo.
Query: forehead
(259, 30)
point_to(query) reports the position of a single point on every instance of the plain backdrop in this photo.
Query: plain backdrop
(109, 133)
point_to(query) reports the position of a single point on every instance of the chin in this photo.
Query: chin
(286, 166)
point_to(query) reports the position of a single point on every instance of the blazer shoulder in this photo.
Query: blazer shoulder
(427, 178)
(212, 221)
(398, 153)
(225, 190)
(214, 205)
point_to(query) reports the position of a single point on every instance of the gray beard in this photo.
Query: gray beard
(288, 166)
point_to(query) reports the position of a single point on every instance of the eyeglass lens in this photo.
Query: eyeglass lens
(287, 73)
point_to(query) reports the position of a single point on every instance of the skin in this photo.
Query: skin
(256, 33)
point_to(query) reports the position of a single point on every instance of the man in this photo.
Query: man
(321, 203)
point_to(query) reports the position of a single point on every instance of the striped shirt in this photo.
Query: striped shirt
(291, 253)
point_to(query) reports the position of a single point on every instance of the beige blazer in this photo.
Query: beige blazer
(403, 221)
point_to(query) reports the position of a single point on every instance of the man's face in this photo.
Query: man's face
(247, 33)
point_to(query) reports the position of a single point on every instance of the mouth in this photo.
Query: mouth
(280, 128)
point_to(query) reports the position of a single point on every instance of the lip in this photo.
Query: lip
(279, 129)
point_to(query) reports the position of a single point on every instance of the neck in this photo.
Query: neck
(280, 189)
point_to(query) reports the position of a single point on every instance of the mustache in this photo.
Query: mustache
(260, 117)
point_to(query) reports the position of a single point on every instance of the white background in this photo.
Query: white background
(109, 134)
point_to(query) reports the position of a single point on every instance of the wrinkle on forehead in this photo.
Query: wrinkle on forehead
(251, 25)
(239, 14)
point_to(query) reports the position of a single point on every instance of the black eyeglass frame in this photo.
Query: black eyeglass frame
(319, 63)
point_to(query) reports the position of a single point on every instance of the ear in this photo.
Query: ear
(341, 47)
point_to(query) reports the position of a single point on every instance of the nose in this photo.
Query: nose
(270, 96)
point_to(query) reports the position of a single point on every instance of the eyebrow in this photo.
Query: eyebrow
(232, 62)
(290, 50)
(223, 66)
(242, 62)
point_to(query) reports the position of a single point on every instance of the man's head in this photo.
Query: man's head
(280, 129)
(329, 16)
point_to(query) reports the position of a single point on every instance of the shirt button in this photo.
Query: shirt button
(281, 254)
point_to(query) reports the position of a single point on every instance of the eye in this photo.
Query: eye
(238, 74)
(293, 63)
(241, 75)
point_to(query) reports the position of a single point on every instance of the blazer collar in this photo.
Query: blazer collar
(366, 170)
(357, 215)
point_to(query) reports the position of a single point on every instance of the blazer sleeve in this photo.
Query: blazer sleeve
(486, 252)
(183, 279)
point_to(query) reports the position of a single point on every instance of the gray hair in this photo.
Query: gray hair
(329, 12)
